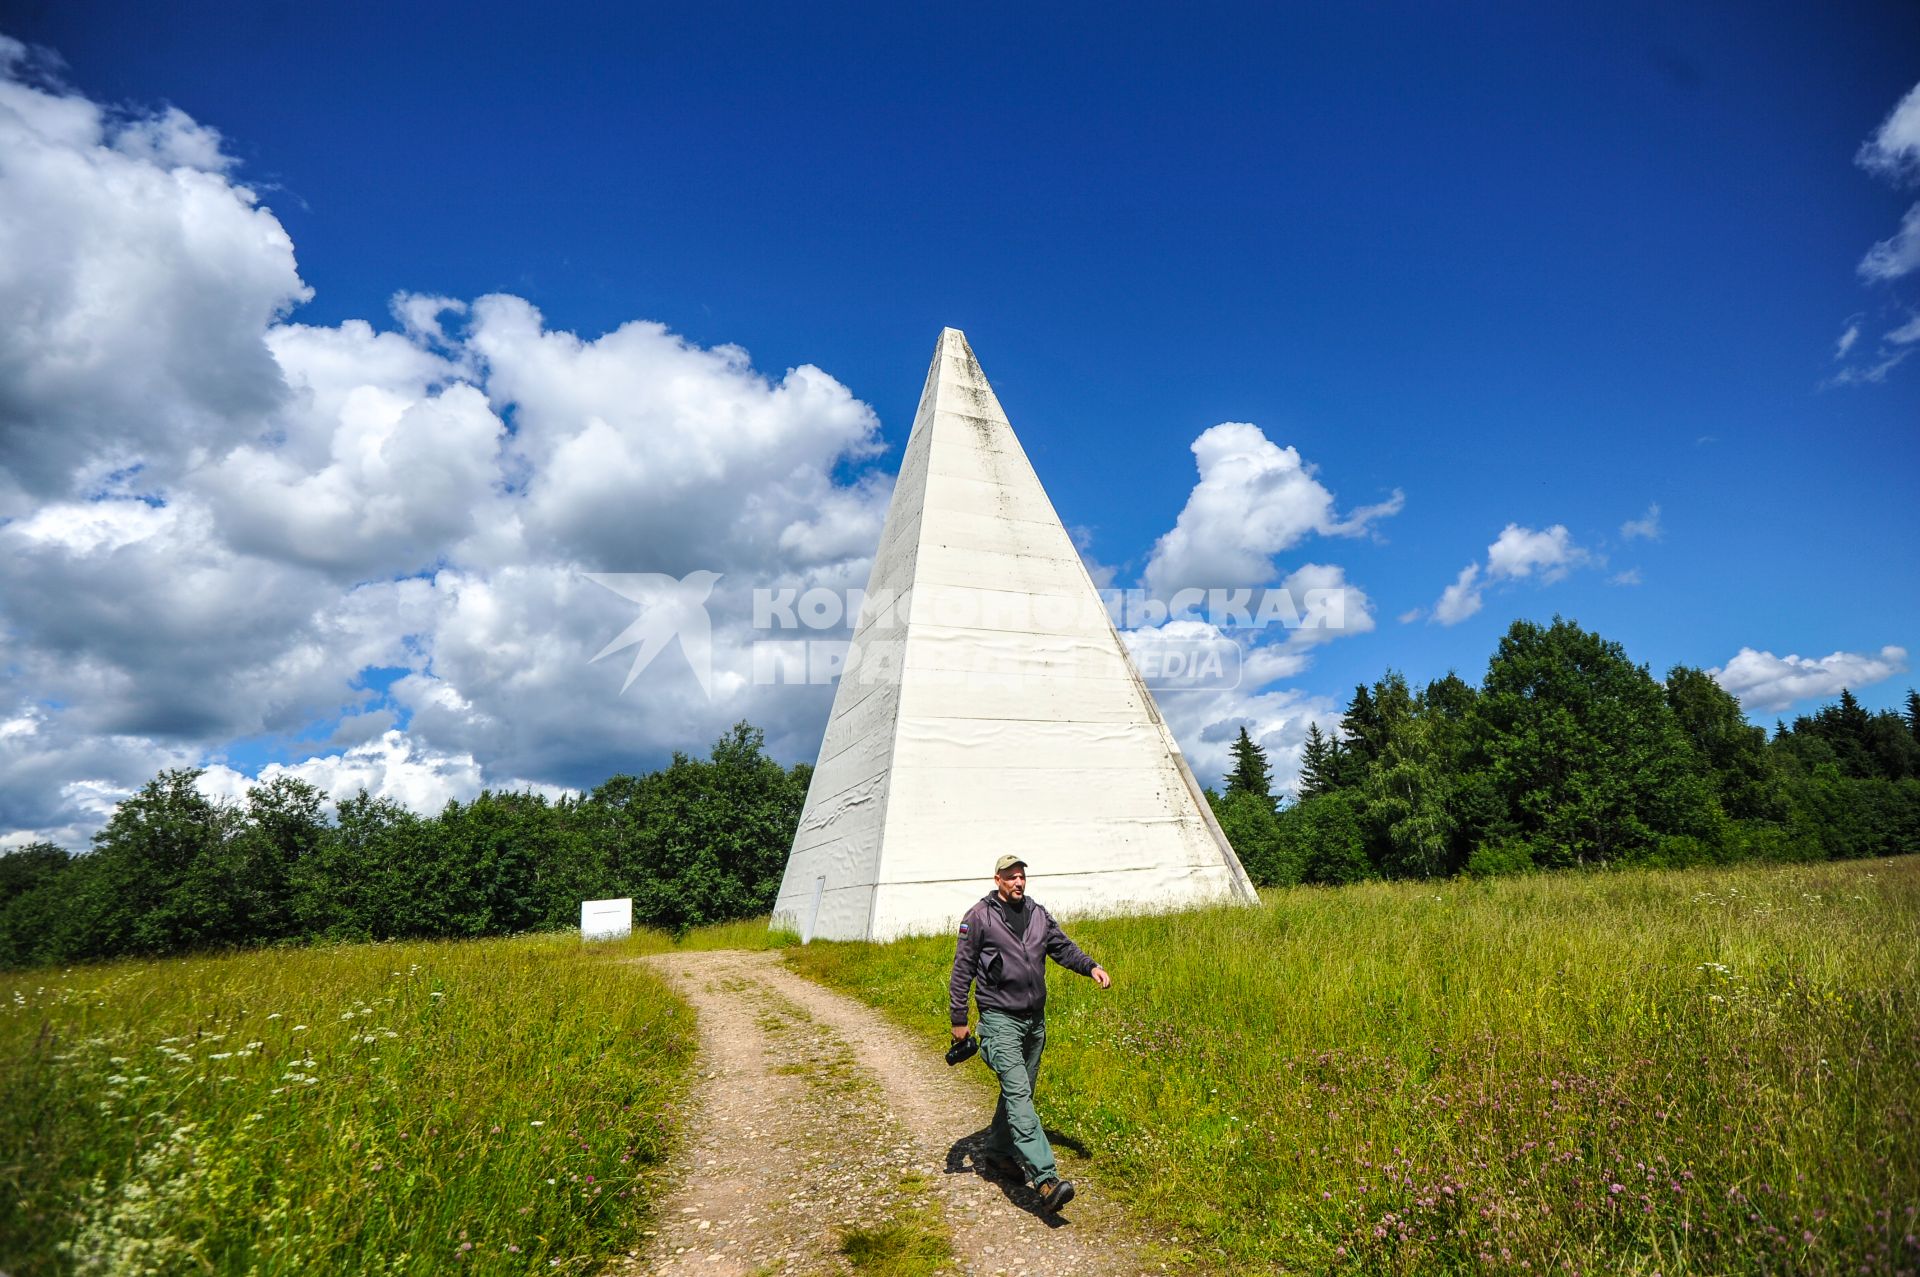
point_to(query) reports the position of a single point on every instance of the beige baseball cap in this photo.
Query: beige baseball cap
(1005, 863)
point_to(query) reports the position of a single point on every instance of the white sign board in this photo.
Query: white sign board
(606, 919)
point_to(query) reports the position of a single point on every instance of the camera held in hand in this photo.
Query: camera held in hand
(964, 1049)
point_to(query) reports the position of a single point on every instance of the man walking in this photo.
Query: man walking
(1005, 941)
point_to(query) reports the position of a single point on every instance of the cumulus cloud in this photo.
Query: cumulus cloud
(217, 523)
(392, 766)
(1518, 553)
(1254, 500)
(1206, 721)
(420, 316)
(1646, 527)
(730, 460)
(1330, 605)
(1763, 681)
(1461, 599)
(139, 283)
(220, 523)
(60, 783)
(366, 478)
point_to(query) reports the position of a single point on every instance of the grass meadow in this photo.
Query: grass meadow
(1705, 1071)
(486, 1106)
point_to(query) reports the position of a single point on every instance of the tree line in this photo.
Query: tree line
(1568, 754)
(698, 841)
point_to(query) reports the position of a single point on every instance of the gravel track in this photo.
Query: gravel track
(810, 1115)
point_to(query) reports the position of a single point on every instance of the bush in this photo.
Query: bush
(1499, 857)
(1325, 837)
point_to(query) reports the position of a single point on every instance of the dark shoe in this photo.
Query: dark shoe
(1054, 1194)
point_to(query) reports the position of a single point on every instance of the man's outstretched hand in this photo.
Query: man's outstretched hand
(1101, 978)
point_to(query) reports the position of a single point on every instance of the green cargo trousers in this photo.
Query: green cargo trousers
(1011, 1046)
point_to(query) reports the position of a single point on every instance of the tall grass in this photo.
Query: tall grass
(493, 1106)
(1673, 1072)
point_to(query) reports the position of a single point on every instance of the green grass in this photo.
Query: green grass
(487, 1106)
(907, 1246)
(912, 1242)
(748, 933)
(1672, 1072)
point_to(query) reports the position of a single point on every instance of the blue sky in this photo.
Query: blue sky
(1521, 265)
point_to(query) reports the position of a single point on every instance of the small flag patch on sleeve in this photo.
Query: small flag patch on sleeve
(963, 928)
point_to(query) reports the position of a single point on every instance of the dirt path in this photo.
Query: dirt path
(812, 1117)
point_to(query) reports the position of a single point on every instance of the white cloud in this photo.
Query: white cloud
(1461, 599)
(730, 460)
(1898, 254)
(1894, 149)
(1893, 152)
(1254, 499)
(1630, 576)
(150, 279)
(393, 766)
(407, 471)
(1763, 681)
(61, 784)
(1207, 722)
(1647, 526)
(1870, 374)
(1330, 606)
(214, 523)
(171, 140)
(419, 315)
(1518, 553)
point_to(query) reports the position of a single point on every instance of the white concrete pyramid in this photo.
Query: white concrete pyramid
(988, 706)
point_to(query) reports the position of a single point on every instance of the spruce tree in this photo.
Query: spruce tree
(1317, 763)
(1361, 727)
(1250, 774)
(1913, 713)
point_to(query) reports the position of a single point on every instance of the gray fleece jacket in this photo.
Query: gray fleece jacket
(1008, 972)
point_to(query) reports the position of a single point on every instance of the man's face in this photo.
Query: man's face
(1013, 883)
